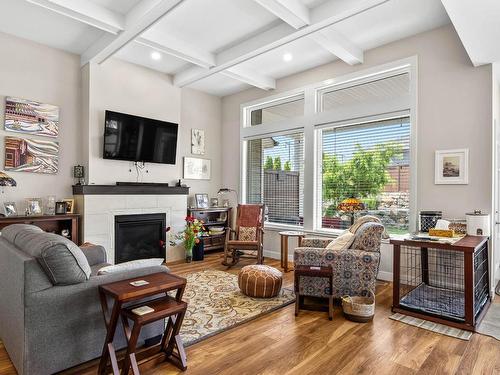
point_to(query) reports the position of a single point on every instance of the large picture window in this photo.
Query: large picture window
(275, 176)
(365, 169)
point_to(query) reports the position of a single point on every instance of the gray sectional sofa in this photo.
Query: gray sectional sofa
(50, 314)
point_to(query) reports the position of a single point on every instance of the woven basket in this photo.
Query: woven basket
(359, 309)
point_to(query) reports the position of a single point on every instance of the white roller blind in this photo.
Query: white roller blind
(369, 162)
(275, 176)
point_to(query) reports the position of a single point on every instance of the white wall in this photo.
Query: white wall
(32, 71)
(123, 87)
(454, 111)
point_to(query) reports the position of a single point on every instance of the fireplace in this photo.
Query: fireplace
(139, 237)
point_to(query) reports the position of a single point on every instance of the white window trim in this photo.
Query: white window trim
(313, 119)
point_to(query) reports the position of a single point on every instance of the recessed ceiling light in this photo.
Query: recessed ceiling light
(155, 55)
(287, 57)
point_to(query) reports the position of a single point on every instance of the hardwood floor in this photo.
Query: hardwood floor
(279, 343)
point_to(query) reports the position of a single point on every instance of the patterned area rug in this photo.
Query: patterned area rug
(490, 325)
(215, 304)
(434, 327)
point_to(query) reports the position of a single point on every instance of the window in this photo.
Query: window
(275, 176)
(279, 110)
(368, 166)
(366, 93)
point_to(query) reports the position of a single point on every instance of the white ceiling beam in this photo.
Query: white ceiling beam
(138, 20)
(293, 12)
(86, 12)
(250, 77)
(339, 45)
(277, 37)
(296, 14)
(180, 49)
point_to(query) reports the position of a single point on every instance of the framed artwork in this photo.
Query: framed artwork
(10, 208)
(452, 167)
(34, 206)
(214, 202)
(198, 141)
(30, 155)
(70, 205)
(30, 117)
(201, 200)
(197, 169)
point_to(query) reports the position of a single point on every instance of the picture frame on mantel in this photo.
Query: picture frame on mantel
(197, 169)
(452, 167)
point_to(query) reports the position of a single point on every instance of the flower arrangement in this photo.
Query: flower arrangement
(190, 236)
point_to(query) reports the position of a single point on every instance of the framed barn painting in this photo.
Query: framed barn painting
(452, 167)
(30, 155)
(29, 117)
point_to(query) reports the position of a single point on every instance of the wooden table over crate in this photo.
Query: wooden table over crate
(122, 292)
(312, 271)
(475, 276)
(284, 246)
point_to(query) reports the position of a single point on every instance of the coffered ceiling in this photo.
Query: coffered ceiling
(220, 46)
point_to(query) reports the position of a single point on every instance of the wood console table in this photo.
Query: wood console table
(49, 223)
(443, 283)
(164, 307)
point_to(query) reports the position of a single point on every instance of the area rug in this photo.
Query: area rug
(215, 304)
(490, 325)
(434, 327)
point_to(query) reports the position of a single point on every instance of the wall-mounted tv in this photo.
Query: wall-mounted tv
(134, 138)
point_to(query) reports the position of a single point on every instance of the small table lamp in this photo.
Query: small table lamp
(6, 180)
(351, 205)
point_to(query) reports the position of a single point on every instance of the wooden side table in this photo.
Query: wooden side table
(284, 246)
(311, 271)
(174, 308)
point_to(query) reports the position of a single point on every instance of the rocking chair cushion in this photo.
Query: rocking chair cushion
(248, 234)
(235, 243)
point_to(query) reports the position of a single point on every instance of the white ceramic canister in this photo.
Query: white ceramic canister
(478, 223)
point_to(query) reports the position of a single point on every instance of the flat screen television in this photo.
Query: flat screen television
(134, 138)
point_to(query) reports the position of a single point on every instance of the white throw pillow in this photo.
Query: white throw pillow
(342, 242)
(132, 265)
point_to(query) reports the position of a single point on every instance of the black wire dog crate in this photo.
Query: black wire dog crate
(444, 283)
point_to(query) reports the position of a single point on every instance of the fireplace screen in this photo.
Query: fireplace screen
(139, 237)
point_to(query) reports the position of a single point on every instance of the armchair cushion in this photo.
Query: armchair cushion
(368, 237)
(342, 242)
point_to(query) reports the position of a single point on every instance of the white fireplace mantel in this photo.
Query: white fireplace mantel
(98, 211)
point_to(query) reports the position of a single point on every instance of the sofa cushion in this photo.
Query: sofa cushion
(132, 265)
(63, 261)
(19, 232)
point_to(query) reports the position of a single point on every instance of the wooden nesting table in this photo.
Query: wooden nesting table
(165, 306)
(311, 271)
(284, 246)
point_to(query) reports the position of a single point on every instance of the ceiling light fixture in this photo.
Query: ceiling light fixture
(155, 55)
(287, 57)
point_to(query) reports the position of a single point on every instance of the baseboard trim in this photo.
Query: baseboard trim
(384, 275)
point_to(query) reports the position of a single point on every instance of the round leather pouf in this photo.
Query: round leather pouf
(260, 281)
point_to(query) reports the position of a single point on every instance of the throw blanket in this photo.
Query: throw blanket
(367, 219)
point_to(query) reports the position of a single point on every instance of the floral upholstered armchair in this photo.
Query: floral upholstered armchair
(354, 269)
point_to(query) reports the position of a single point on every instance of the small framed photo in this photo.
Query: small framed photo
(34, 206)
(70, 205)
(201, 200)
(452, 167)
(214, 202)
(10, 208)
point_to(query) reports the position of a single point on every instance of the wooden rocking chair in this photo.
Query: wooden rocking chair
(246, 241)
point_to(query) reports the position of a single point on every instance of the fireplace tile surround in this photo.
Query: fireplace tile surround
(98, 213)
